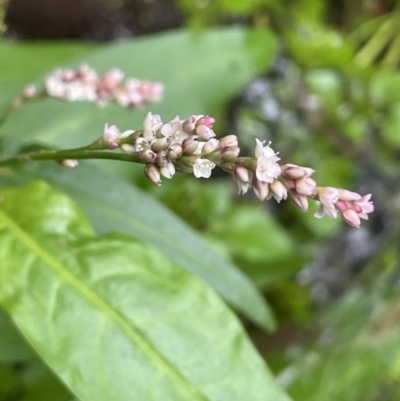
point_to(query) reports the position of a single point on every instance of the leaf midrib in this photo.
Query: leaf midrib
(143, 344)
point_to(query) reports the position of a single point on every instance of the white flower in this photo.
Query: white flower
(174, 130)
(267, 167)
(327, 198)
(141, 144)
(111, 133)
(151, 124)
(202, 168)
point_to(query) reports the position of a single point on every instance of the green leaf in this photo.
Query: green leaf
(112, 204)
(113, 317)
(200, 73)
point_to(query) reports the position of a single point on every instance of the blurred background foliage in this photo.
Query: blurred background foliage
(329, 98)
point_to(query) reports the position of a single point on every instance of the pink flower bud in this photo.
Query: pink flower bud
(279, 191)
(161, 159)
(160, 144)
(189, 124)
(147, 155)
(189, 145)
(207, 121)
(210, 146)
(292, 172)
(228, 153)
(168, 171)
(351, 217)
(261, 189)
(346, 195)
(204, 132)
(229, 140)
(174, 152)
(341, 206)
(241, 174)
(152, 172)
(300, 200)
(290, 184)
(306, 186)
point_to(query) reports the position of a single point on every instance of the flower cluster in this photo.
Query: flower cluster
(190, 146)
(84, 83)
(167, 147)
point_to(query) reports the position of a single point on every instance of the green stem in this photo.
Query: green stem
(77, 154)
(7, 113)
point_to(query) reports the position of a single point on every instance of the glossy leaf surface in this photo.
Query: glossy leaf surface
(112, 204)
(112, 316)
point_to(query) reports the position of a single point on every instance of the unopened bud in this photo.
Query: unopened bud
(71, 163)
(279, 191)
(342, 206)
(241, 174)
(346, 195)
(152, 172)
(260, 188)
(148, 156)
(161, 144)
(306, 186)
(229, 140)
(189, 124)
(189, 145)
(126, 148)
(168, 171)
(161, 159)
(210, 146)
(300, 200)
(174, 152)
(351, 217)
(228, 153)
(207, 121)
(294, 172)
(204, 132)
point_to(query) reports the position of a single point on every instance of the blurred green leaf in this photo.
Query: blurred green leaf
(112, 316)
(314, 45)
(391, 126)
(252, 233)
(384, 87)
(112, 204)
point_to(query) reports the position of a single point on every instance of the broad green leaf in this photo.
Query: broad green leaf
(113, 317)
(112, 204)
(200, 73)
